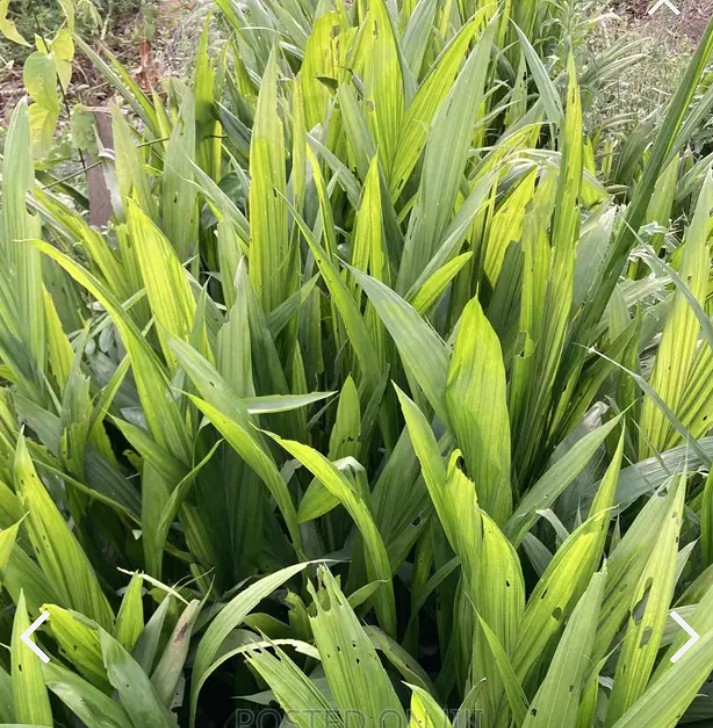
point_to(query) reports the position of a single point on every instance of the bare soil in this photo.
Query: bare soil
(150, 45)
(686, 27)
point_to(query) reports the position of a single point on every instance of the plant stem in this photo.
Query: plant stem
(61, 88)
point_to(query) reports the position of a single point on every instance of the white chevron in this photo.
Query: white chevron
(667, 3)
(25, 637)
(689, 630)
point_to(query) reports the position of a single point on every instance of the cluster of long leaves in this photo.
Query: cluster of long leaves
(385, 393)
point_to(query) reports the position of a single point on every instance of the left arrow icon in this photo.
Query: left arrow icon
(25, 637)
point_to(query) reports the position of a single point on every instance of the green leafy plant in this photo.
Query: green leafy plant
(386, 388)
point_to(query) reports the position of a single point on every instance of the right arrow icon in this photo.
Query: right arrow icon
(692, 632)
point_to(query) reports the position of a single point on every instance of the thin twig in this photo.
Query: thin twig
(82, 171)
(96, 164)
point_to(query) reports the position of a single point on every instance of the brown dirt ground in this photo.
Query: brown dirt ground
(687, 26)
(143, 53)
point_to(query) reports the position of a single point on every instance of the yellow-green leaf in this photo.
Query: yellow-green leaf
(32, 705)
(58, 552)
(476, 399)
